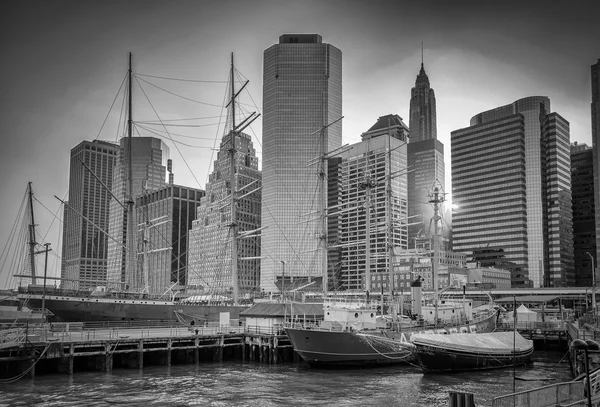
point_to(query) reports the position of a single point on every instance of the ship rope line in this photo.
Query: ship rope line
(23, 374)
(392, 346)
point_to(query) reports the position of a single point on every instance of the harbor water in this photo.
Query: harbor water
(287, 384)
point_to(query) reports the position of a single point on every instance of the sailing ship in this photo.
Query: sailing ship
(356, 333)
(117, 305)
(464, 352)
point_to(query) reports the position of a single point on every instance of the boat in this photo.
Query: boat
(13, 311)
(102, 304)
(358, 333)
(352, 332)
(465, 352)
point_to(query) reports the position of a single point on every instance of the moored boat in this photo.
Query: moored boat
(463, 352)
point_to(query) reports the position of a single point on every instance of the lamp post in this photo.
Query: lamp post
(593, 286)
(579, 344)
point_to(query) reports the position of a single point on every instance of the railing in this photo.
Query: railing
(551, 395)
(12, 338)
(558, 326)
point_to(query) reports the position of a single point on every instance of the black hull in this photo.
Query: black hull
(435, 360)
(79, 309)
(348, 349)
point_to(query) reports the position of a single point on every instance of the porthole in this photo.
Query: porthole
(372, 315)
(356, 315)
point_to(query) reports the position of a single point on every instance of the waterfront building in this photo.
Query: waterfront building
(368, 162)
(211, 253)
(511, 185)
(584, 231)
(148, 172)
(595, 108)
(302, 108)
(425, 158)
(84, 248)
(488, 277)
(164, 218)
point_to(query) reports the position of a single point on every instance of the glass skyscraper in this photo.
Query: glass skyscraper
(84, 257)
(302, 94)
(425, 158)
(512, 187)
(149, 169)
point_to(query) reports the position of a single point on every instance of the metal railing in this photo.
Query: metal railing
(551, 395)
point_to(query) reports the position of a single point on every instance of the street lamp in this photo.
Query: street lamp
(586, 345)
(593, 286)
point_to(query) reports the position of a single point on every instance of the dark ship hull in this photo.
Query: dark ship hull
(84, 309)
(335, 348)
(479, 352)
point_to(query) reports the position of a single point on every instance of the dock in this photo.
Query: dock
(27, 351)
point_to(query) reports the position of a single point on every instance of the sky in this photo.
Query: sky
(63, 62)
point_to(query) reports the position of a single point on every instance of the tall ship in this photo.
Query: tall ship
(121, 301)
(367, 329)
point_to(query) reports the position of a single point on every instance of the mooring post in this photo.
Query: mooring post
(168, 362)
(460, 399)
(31, 367)
(196, 351)
(141, 354)
(108, 359)
(275, 349)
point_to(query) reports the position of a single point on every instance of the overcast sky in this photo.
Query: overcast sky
(62, 63)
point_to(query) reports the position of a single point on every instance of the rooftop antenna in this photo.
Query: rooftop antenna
(421, 54)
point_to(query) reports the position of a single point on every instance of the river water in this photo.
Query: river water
(254, 384)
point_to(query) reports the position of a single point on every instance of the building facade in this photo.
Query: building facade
(595, 109)
(85, 241)
(149, 169)
(425, 158)
(164, 218)
(363, 173)
(302, 108)
(584, 232)
(211, 254)
(511, 185)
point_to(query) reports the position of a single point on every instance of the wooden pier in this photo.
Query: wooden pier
(43, 352)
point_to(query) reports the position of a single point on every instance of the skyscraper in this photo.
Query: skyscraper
(149, 168)
(164, 218)
(365, 166)
(84, 257)
(425, 158)
(584, 232)
(302, 105)
(210, 252)
(511, 184)
(595, 107)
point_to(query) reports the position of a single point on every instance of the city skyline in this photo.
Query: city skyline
(67, 60)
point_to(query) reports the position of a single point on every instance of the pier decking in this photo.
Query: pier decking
(25, 351)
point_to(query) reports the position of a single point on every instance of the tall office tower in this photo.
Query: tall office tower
(584, 231)
(164, 218)
(302, 107)
(425, 159)
(363, 178)
(596, 151)
(211, 252)
(86, 215)
(511, 184)
(149, 168)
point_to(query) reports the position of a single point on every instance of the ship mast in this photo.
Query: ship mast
(436, 199)
(390, 220)
(32, 242)
(233, 225)
(367, 184)
(130, 241)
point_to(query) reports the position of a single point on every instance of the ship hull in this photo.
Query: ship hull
(335, 348)
(81, 309)
(434, 360)
(345, 348)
